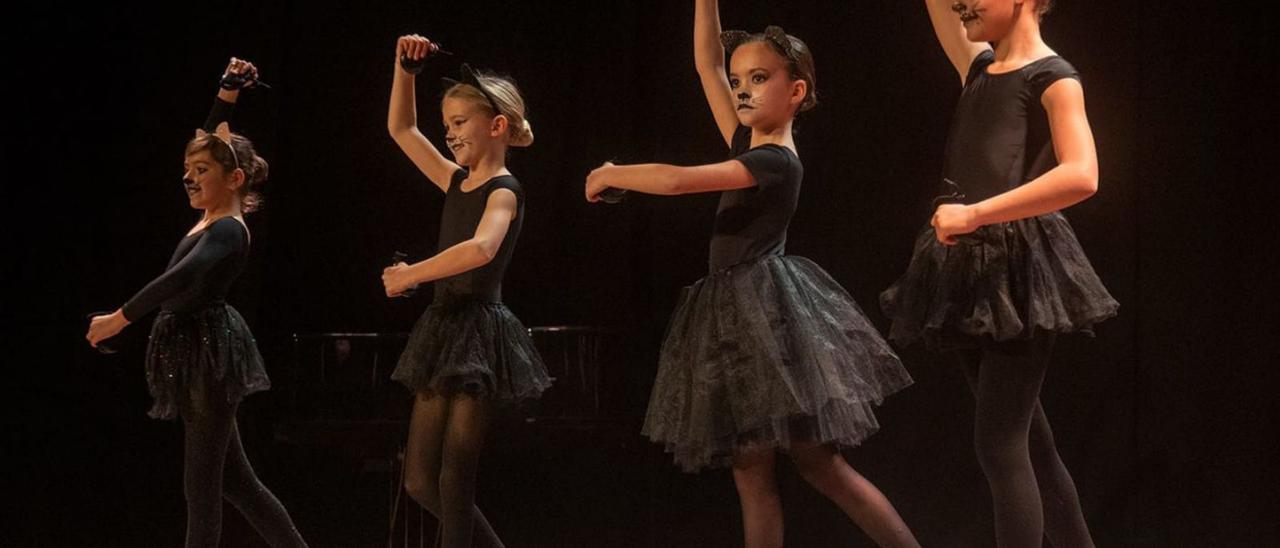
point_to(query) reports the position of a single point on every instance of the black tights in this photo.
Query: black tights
(446, 435)
(215, 467)
(1033, 494)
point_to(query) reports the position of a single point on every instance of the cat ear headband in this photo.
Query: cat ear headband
(221, 134)
(471, 78)
(773, 34)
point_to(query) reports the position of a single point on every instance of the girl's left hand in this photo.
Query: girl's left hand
(104, 327)
(239, 67)
(396, 279)
(596, 181)
(951, 220)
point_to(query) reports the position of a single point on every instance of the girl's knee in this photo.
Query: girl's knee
(816, 462)
(242, 491)
(753, 475)
(1000, 452)
(753, 463)
(423, 490)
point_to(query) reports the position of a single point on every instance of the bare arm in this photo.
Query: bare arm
(473, 253)
(951, 36)
(708, 55)
(1073, 180)
(402, 117)
(669, 180)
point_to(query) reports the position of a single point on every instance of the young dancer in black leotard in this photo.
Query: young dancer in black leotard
(767, 352)
(202, 359)
(467, 351)
(999, 273)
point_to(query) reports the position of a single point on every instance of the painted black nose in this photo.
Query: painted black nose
(744, 96)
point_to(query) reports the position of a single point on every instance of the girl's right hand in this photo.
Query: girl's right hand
(414, 47)
(396, 279)
(105, 326)
(597, 182)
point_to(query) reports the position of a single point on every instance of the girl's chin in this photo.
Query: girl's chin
(203, 203)
(753, 118)
(975, 32)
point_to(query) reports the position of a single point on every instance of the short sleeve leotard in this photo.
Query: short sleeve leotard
(1006, 281)
(467, 340)
(767, 350)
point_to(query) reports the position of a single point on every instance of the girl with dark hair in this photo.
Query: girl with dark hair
(202, 359)
(767, 352)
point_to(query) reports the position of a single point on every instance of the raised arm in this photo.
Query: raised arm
(951, 36)
(402, 116)
(479, 250)
(1073, 180)
(229, 87)
(708, 55)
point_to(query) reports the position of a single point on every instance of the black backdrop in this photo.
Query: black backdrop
(1167, 418)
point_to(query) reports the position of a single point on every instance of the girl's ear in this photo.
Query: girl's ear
(799, 90)
(236, 179)
(500, 126)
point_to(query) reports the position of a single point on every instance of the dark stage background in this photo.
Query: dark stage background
(1167, 418)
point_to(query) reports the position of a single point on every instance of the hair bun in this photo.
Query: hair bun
(255, 176)
(522, 136)
(258, 169)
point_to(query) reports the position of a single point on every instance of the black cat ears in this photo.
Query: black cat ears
(773, 35)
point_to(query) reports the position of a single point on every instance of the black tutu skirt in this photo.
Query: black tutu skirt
(764, 354)
(472, 346)
(200, 355)
(1005, 282)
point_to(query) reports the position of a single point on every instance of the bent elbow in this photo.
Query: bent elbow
(485, 252)
(397, 130)
(1088, 182)
(709, 68)
(1089, 188)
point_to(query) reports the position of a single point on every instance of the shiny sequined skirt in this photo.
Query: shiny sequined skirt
(472, 346)
(202, 354)
(1005, 282)
(764, 354)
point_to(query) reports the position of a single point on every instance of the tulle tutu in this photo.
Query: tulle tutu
(201, 354)
(1007, 282)
(472, 346)
(763, 354)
